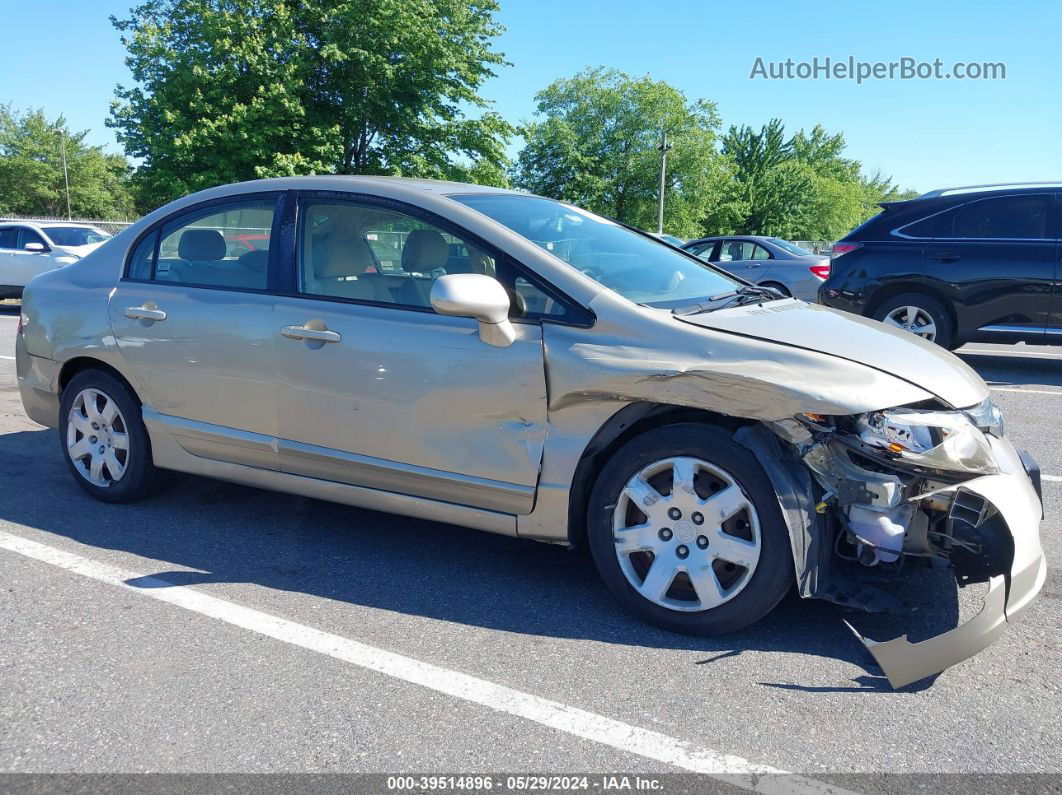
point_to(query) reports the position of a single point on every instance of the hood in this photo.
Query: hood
(80, 251)
(857, 339)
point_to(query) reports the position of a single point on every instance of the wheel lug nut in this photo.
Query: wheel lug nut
(698, 517)
(665, 534)
(102, 451)
(674, 513)
(95, 426)
(702, 542)
(93, 440)
(682, 551)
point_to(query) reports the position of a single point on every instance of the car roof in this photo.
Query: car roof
(757, 238)
(45, 224)
(441, 187)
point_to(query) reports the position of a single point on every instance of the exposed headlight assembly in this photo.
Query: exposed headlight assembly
(987, 417)
(946, 440)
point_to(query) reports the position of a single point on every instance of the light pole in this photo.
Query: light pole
(66, 177)
(664, 147)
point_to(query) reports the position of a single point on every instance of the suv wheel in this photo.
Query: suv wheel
(104, 440)
(919, 314)
(686, 531)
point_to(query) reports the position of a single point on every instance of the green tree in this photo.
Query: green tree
(31, 170)
(800, 188)
(595, 143)
(227, 90)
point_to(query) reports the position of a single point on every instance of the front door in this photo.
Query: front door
(195, 326)
(377, 390)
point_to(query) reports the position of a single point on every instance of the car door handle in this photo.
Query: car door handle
(145, 313)
(944, 256)
(313, 334)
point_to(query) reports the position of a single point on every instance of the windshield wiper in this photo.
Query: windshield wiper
(746, 294)
(703, 306)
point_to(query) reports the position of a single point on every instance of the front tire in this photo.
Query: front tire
(686, 531)
(103, 438)
(918, 314)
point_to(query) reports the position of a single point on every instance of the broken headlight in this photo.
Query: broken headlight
(987, 417)
(946, 440)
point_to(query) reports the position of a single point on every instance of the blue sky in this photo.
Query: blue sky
(64, 55)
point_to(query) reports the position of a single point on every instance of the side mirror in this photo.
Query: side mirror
(35, 248)
(479, 296)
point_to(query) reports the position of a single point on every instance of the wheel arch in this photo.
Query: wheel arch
(890, 291)
(627, 423)
(80, 364)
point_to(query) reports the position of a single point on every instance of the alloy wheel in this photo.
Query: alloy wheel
(913, 319)
(687, 536)
(97, 438)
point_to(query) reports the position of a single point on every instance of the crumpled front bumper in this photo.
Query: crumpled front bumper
(1013, 495)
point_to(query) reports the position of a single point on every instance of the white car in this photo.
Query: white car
(31, 247)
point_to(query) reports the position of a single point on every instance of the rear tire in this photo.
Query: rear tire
(918, 314)
(103, 438)
(776, 286)
(718, 536)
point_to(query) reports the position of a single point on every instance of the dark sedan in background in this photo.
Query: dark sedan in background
(958, 265)
(768, 261)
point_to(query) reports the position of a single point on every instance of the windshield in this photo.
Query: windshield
(75, 235)
(637, 267)
(792, 248)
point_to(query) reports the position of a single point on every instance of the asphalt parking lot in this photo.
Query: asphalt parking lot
(361, 642)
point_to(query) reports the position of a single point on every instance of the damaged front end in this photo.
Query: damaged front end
(898, 486)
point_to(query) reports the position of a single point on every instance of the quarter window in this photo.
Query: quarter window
(1012, 217)
(366, 252)
(207, 247)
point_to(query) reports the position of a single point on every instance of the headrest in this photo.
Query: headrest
(201, 245)
(257, 261)
(343, 253)
(424, 251)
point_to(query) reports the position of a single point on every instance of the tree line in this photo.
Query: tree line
(230, 90)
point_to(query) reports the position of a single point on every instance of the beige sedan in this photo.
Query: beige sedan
(518, 365)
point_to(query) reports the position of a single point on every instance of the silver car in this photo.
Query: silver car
(767, 261)
(518, 365)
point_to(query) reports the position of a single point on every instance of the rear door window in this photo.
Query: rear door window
(224, 245)
(9, 237)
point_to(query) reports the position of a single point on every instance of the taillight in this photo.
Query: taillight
(822, 270)
(840, 249)
(21, 323)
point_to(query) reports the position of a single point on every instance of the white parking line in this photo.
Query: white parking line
(1052, 478)
(12, 358)
(571, 720)
(1027, 391)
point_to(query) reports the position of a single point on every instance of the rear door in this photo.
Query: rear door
(743, 258)
(195, 325)
(995, 260)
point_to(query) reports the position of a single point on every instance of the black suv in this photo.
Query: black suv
(957, 265)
